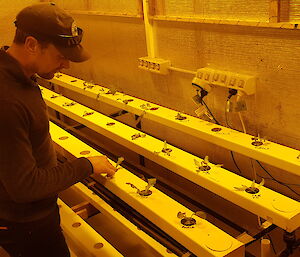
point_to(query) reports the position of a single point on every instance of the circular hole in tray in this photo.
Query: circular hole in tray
(145, 193)
(98, 245)
(84, 152)
(63, 138)
(188, 221)
(76, 224)
(166, 150)
(252, 190)
(216, 129)
(204, 168)
(257, 143)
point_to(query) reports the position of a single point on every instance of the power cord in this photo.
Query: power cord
(232, 92)
(271, 177)
(279, 182)
(201, 92)
(235, 163)
(210, 112)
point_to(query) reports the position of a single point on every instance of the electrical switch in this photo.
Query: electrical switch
(223, 79)
(216, 77)
(213, 77)
(241, 84)
(232, 82)
(207, 76)
(155, 65)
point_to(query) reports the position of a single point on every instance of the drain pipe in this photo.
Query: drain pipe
(149, 29)
(266, 250)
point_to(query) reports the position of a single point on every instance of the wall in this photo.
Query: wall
(295, 10)
(8, 12)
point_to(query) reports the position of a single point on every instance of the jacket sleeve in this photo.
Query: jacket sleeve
(23, 180)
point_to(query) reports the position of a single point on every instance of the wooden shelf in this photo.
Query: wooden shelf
(200, 20)
(105, 14)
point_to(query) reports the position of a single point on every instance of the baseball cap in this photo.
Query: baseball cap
(49, 22)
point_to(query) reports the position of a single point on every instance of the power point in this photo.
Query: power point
(156, 65)
(238, 81)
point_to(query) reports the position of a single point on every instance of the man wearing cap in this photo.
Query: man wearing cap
(46, 40)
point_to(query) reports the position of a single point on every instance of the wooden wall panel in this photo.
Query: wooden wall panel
(72, 4)
(284, 10)
(8, 12)
(120, 6)
(274, 15)
(257, 10)
(294, 11)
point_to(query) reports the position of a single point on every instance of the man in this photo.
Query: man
(46, 40)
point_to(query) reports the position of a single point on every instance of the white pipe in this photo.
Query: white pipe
(150, 39)
(265, 247)
(183, 70)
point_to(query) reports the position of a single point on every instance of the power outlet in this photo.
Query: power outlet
(156, 65)
(238, 81)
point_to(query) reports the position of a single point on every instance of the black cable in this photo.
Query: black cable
(279, 182)
(234, 161)
(271, 177)
(289, 184)
(232, 92)
(263, 177)
(202, 101)
(226, 116)
(201, 92)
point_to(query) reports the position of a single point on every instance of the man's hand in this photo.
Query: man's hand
(102, 165)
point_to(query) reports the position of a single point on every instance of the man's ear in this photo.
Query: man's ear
(32, 46)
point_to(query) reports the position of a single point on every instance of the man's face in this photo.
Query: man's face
(49, 61)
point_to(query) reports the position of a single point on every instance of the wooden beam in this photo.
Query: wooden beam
(274, 13)
(284, 10)
(88, 4)
(140, 7)
(159, 7)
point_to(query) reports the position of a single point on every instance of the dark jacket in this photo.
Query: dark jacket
(29, 175)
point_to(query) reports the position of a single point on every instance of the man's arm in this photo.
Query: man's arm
(22, 178)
